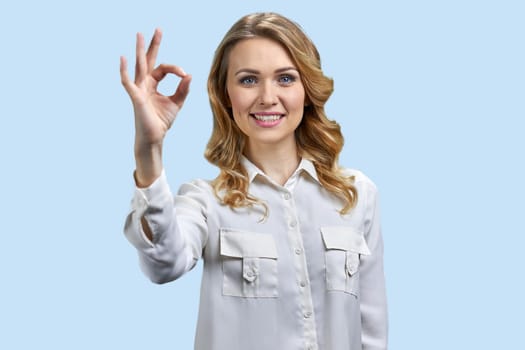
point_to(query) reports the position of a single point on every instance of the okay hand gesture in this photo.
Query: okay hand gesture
(154, 112)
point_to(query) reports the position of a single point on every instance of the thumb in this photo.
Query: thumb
(182, 91)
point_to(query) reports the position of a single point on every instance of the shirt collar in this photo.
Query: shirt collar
(252, 170)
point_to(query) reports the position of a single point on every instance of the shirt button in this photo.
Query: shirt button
(308, 314)
(293, 223)
(298, 251)
(286, 196)
(303, 284)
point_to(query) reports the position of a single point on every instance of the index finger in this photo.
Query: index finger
(153, 49)
(162, 70)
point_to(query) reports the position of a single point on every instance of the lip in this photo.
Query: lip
(267, 113)
(269, 122)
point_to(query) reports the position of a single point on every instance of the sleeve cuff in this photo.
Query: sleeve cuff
(147, 196)
(157, 189)
(151, 196)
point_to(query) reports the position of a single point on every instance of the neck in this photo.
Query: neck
(277, 162)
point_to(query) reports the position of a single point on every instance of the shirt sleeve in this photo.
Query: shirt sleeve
(374, 316)
(178, 227)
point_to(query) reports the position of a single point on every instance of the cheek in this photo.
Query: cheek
(241, 101)
(237, 107)
(240, 122)
(233, 99)
(296, 97)
(298, 100)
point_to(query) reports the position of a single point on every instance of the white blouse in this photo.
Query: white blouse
(304, 277)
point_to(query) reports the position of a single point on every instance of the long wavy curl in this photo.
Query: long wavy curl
(318, 138)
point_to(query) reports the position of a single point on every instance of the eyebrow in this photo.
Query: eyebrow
(254, 71)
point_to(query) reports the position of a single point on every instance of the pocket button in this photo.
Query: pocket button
(352, 264)
(250, 275)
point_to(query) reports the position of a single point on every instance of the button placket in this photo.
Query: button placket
(298, 256)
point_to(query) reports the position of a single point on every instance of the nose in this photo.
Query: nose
(268, 94)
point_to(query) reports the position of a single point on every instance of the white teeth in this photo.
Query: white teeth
(267, 118)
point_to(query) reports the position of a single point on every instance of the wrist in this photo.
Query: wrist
(148, 161)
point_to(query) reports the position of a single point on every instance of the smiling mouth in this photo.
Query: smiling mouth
(267, 117)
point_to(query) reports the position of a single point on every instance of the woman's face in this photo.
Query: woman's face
(266, 93)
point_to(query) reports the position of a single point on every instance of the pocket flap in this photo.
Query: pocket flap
(240, 244)
(344, 238)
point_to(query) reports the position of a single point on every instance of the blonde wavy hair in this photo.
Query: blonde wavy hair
(318, 139)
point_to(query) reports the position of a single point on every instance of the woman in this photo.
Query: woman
(291, 242)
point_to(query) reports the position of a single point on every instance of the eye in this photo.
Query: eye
(287, 79)
(248, 80)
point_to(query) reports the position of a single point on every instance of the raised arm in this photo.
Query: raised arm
(169, 233)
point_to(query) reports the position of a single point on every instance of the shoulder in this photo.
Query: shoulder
(196, 187)
(196, 193)
(368, 196)
(361, 180)
(196, 184)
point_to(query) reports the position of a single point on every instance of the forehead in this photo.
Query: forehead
(259, 53)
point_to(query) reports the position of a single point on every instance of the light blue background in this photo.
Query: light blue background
(430, 96)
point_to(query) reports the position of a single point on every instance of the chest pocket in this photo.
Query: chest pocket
(343, 249)
(249, 264)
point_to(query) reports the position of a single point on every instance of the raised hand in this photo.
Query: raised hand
(154, 112)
